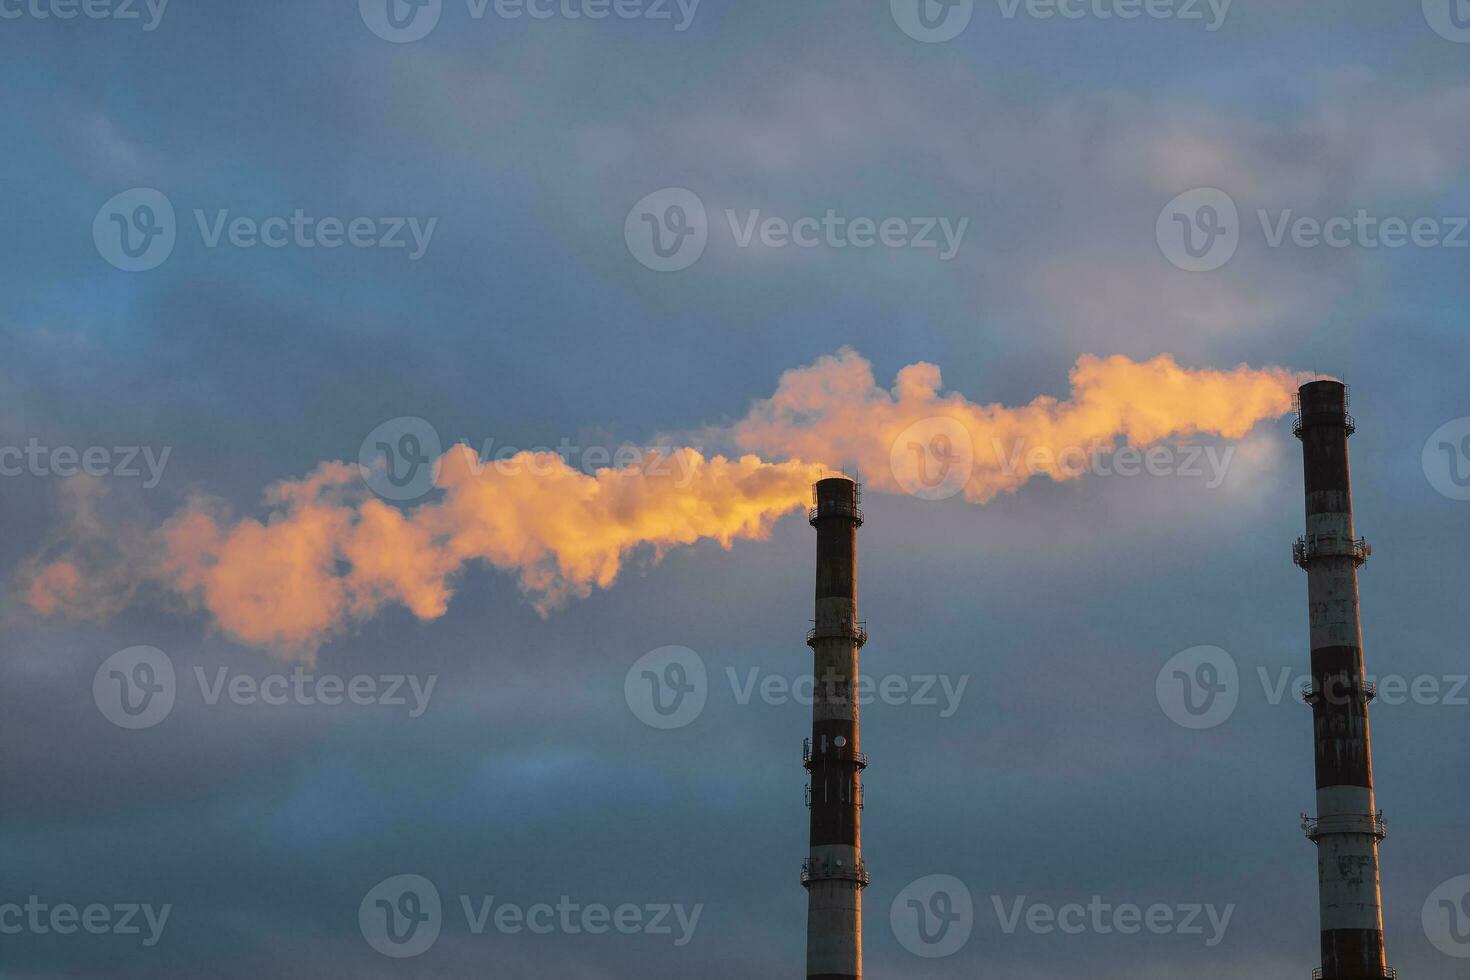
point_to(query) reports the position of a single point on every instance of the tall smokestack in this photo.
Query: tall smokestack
(1348, 826)
(833, 873)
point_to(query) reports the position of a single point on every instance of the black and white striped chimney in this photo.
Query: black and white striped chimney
(833, 873)
(1348, 826)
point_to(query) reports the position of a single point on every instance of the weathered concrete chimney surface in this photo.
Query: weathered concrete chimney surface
(1348, 826)
(834, 874)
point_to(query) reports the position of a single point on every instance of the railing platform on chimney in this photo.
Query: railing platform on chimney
(1299, 422)
(1364, 692)
(853, 512)
(1347, 823)
(1310, 547)
(842, 510)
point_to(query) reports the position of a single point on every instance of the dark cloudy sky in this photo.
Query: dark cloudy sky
(529, 318)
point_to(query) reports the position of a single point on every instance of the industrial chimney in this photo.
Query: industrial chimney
(833, 873)
(1348, 825)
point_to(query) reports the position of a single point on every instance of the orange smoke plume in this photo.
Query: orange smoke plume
(329, 554)
(903, 439)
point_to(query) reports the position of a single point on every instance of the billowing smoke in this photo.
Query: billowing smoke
(328, 553)
(914, 438)
(89, 567)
